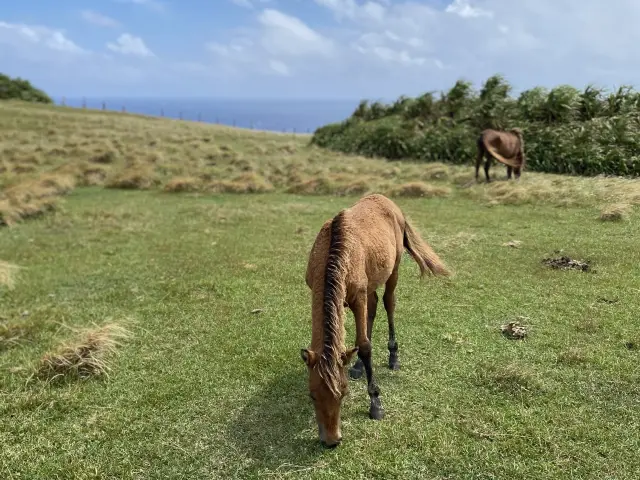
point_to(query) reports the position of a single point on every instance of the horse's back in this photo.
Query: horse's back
(375, 225)
(372, 239)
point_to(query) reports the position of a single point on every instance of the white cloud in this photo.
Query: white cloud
(372, 48)
(243, 3)
(350, 9)
(466, 10)
(127, 44)
(282, 44)
(99, 19)
(20, 35)
(151, 4)
(286, 35)
(279, 67)
(249, 3)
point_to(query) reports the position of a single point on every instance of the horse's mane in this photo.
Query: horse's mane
(329, 364)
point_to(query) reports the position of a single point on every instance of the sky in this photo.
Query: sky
(325, 49)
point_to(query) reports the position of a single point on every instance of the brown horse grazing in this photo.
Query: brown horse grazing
(353, 254)
(505, 146)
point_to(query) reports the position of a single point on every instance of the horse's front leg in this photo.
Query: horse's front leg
(363, 342)
(372, 306)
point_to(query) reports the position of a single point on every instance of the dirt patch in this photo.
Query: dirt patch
(566, 263)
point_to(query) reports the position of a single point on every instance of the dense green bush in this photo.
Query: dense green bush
(566, 130)
(19, 89)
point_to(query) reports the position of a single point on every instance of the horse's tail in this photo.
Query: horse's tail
(422, 253)
(495, 154)
(519, 133)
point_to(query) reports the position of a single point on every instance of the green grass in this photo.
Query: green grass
(206, 389)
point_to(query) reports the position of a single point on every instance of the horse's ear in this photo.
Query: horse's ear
(346, 356)
(308, 357)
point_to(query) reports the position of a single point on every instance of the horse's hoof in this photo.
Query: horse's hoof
(355, 373)
(394, 365)
(376, 413)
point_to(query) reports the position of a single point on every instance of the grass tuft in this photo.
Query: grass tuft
(615, 212)
(419, 190)
(183, 184)
(86, 356)
(12, 332)
(8, 274)
(511, 379)
(572, 356)
(249, 182)
(135, 177)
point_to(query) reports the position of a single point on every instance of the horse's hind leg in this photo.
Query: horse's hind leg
(357, 370)
(509, 172)
(487, 165)
(389, 300)
(479, 160)
(359, 308)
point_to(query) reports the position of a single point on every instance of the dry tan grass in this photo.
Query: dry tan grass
(183, 184)
(10, 334)
(86, 356)
(615, 212)
(32, 197)
(137, 177)
(419, 189)
(8, 273)
(249, 182)
(127, 151)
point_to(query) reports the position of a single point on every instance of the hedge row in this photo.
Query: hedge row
(566, 131)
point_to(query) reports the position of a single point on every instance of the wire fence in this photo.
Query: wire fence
(190, 114)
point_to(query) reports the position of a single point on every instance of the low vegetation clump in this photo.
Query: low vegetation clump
(32, 197)
(86, 356)
(20, 89)
(8, 273)
(615, 213)
(566, 131)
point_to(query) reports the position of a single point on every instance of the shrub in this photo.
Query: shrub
(20, 89)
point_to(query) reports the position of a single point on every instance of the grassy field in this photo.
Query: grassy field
(209, 284)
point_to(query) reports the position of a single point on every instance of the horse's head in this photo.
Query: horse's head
(327, 399)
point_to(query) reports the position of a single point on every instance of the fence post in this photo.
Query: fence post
(199, 117)
(180, 115)
(162, 112)
(104, 106)
(124, 110)
(84, 102)
(64, 101)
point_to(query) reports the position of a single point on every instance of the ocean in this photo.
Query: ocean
(301, 116)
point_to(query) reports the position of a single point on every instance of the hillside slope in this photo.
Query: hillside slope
(46, 151)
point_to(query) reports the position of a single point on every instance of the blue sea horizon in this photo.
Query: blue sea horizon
(301, 116)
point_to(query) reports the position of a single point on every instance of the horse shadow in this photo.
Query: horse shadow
(277, 425)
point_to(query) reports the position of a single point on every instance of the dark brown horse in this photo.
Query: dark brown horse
(353, 254)
(505, 146)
